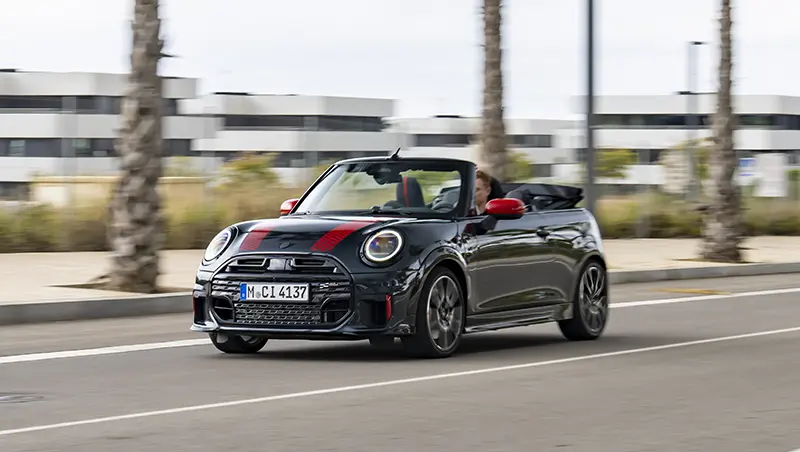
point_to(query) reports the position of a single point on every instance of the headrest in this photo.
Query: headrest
(409, 193)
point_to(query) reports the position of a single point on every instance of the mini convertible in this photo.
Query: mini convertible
(393, 247)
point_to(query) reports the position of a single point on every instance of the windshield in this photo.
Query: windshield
(391, 187)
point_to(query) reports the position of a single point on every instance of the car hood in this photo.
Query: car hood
(308, 233)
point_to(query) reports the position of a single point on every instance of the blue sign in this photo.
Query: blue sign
(747, 167)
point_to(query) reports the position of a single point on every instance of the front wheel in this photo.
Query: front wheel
(589, 306)
(238, 344)
(441, 313)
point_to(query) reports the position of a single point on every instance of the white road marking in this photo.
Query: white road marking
(379, 384)
(46, 356)
(759, 293)
(102, 351)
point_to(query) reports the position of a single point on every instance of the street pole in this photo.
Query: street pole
(692, 123)
(591, 192)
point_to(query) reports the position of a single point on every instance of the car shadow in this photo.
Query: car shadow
(498, 343)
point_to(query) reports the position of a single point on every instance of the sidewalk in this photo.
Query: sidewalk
(33, 277)
(31, 292)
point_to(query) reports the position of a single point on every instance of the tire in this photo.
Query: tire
(238, 345)
(430, 340)
(589, 305)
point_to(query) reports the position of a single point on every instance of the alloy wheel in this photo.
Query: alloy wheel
(445, 313)
(593, 299)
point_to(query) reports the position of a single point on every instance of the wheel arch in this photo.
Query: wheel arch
(595, 257)
(460, 274)
(451, 259)
(589, 258)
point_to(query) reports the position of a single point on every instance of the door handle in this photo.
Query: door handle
(542, 232)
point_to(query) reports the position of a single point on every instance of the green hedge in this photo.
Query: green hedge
(662, 216)
(192, 223)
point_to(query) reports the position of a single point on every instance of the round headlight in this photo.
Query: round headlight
(383, 246)
(218, 244)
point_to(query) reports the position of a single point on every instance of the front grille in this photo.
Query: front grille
(268, 264)
(331, 293)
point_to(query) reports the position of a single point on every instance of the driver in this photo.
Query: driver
(483, 186)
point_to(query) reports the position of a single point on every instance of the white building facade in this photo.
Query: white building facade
(300, 131)
(651, 125)
(66, 123)
(458, 137)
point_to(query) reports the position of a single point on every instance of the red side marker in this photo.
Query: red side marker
(388, 307)
(254, 237)
(332, 238)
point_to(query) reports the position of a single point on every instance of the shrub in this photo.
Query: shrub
(193, 221)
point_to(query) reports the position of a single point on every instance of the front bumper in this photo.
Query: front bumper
(342, 305)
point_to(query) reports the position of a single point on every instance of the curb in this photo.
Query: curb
(180, 303)
(96, 309)
(721, 271)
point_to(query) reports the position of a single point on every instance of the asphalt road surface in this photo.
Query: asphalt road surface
(684, 366)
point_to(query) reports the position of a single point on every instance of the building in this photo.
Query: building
(651, 125)
(456, 136)
(300, 131)
(66, 123)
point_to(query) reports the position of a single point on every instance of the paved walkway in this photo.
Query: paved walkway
(35, 276)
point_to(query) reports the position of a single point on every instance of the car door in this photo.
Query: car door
(562, 232)
(507, 263)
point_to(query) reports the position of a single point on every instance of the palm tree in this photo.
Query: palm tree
(136, 222)
(723, 221)
(493, 133)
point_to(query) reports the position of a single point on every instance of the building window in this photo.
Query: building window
(82, 147)
(542, 170)
(783, 122)
(85, 104)
(244, 122)
(109, 105)
(299, 122)
(437, 140)
(648, 156)
(16, 148)
(532, 141)
(31, 103)
(103, 147)
(350, 123)
(177, 148)
(170, 107)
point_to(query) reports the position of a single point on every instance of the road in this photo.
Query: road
(678, 370)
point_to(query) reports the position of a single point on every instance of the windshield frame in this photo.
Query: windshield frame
(465, 169)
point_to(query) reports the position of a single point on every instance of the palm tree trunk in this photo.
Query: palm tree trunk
(723, 222)
(136, 225)
(493, 136)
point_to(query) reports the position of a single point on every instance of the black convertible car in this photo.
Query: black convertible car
(383, 248)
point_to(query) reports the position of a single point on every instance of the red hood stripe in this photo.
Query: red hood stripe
(255, 237)
(328, 242)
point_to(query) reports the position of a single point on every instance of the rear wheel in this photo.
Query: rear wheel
(237, 344)
(589, 306)
(440, 317)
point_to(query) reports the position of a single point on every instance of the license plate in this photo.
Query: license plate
(274, 292)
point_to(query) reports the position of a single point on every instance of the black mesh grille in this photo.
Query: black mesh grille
(330, 293)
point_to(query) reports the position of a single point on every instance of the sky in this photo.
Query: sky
(426, 54)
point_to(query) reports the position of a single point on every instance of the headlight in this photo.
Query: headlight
(218, 244)
(383, 246)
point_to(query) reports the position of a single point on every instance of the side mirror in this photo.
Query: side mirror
(505, 208)
(288, 206)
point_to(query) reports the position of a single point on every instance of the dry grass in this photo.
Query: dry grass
(193, 220)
